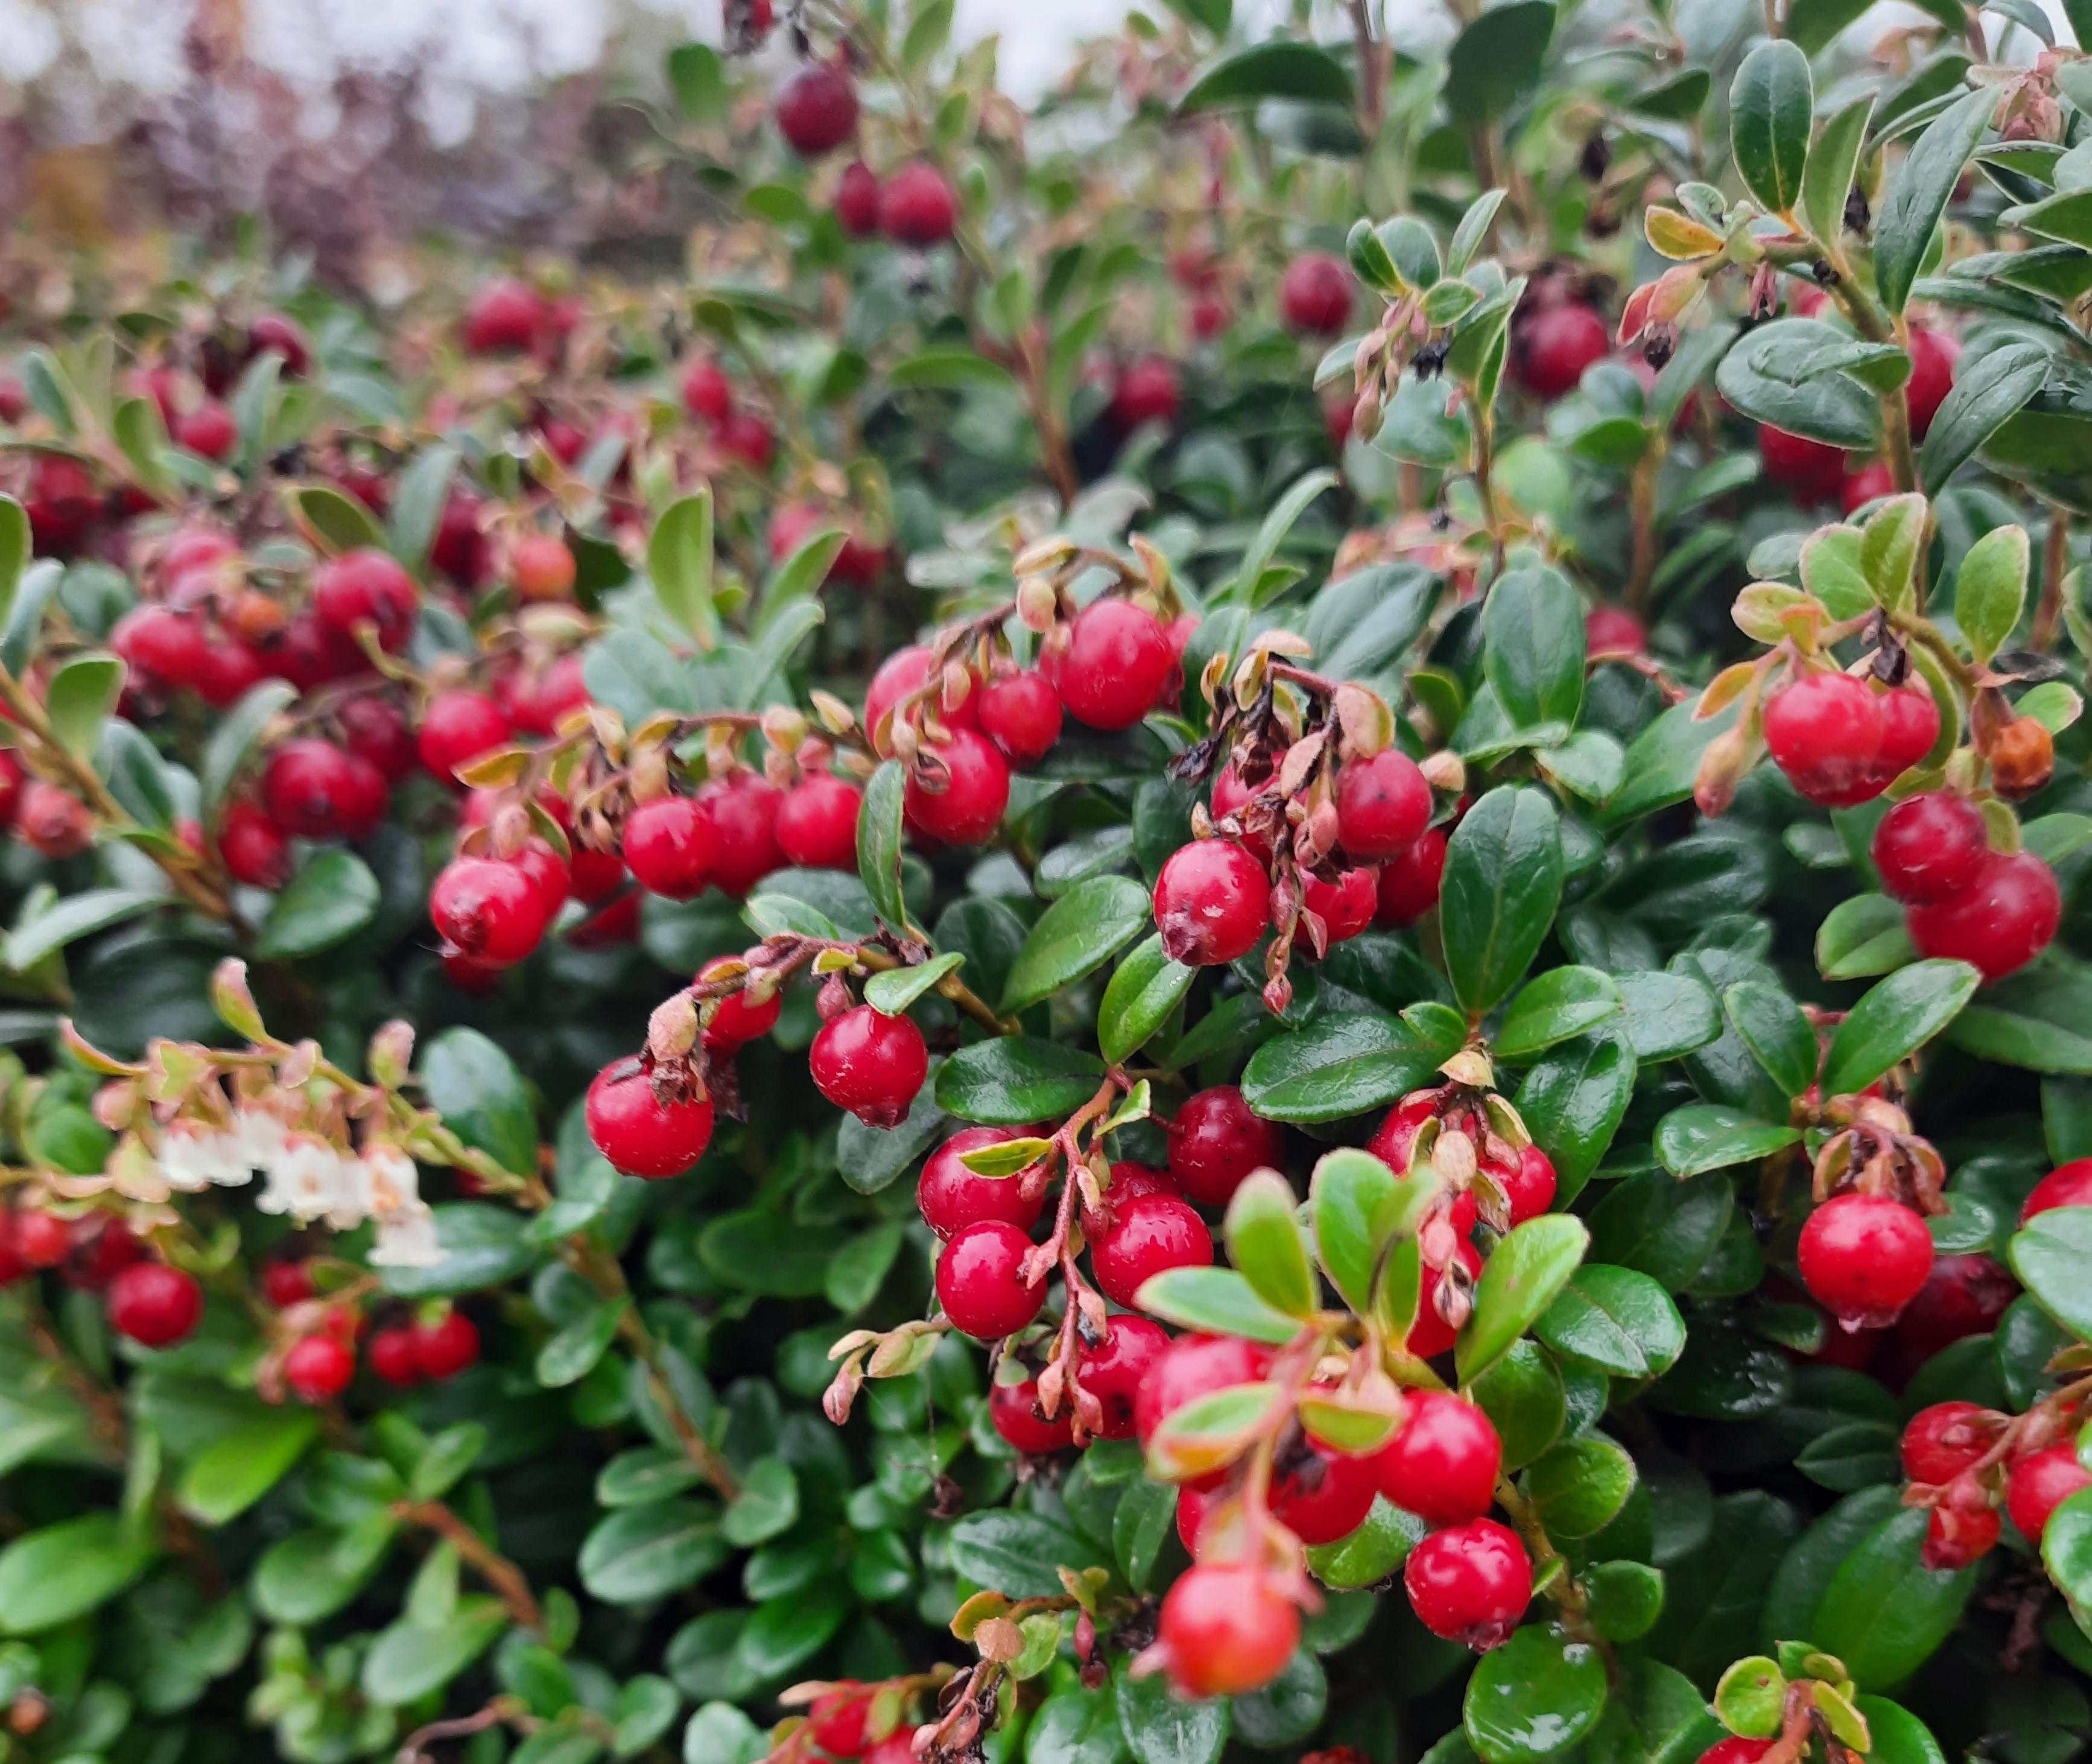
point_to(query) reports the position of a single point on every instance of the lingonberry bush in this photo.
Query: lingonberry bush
(1101, 958)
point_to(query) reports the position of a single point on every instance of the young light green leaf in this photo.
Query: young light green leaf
(679, 563)
(1264, 1243)
(1990, 589)
(895, 990)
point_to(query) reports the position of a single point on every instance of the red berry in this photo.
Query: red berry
(1470, 1583)
(735, 1021)
(1226, 1630)
(816, 825)
(1192, 1367)
(1528, 1187)
(375, 728)
(1613, 631)
(1825, 732)
(857, 199)
(1213, 901)
(314, 790)
(11, 777)
(1409, 885)
(871, 1064)
(488, 911)
(918, 207)
(1735, 1750)
(747, 438)
(1230, 797)
(1813, 468)
(391, 1356)
(1323, 1497)
(284, 334)
(1930, 846)
(1215, 1141)
(318, 1368)
(639, 1133)
(1147, 1234)
(209, 430)
(951, 1197)
(458, 727)
(980, 1281)
(1117, 664)
(708, 393)
(741, 813)
(1012, 1410)
(1941, 1442)
(902, 674)
(1146, 392)
(1955, 1538)
(52, 821)
(670, 846)
(2039, 1482)
(956, 793)
(1211, 316)
(62, 504)
(1431, 1335)
(230, 670)
(541, 568)
(1910, 725)
(444, 1349)
(1443, 1462)
(2068, 1185)
(166, 647)
(817, 109)
(1864, 485)
(1933, 356)
(363, 585)
(1020, 713)
(1128, 1180)
(1864, 1256)
(40, 1239)
(1113, 1373)
(1396, 1133)
(254, 851)
(1383, 805)
(1999, 922)
(504, 317)
(1346, 906)
(285, 1283)
(837, 1721)
(155, 1305)
(13, 1269)
(1552, 346)
(1315, 295)
(1964, 1295)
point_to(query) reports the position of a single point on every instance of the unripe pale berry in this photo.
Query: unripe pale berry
(1147, 1235)
(1215, 1141)
(1864, 1256)
(980, 1281)
(1213, 901)
(871, 1064)
(640, 1135)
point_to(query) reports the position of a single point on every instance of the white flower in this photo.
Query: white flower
(406, 1238)
(308, 1178)
(391, 1181)
(259, 1136)
(193, 1156)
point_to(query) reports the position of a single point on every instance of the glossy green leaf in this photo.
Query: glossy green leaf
(1918, 191)
(1990, 589)
(2049, 1255)
(79, 699)
(1279, 68)
(1264, 1245)
(1579, 1486)
(1534, 1697)
(1015, 1080)
(333, 897)
(1522, 1277)
(1832, 162)
(878, 843)
(679, 563)
(1497, 59)
(1496, 900)
(1572, 1102)
(1616, 1319)
(1532, 626)
(1339, 1065)
(1217, 1300)
(1771, 105)
(1076, 935)
(1705, 1136)
(1896, 1017)
(1558, 1003)
(1773, 1027)
(1143, 989)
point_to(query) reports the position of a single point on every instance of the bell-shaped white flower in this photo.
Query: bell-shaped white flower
(307, 1178)
(193, 1156)
(406, 1238)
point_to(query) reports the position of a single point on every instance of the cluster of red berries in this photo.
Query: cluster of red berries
(915, 207)
(1842, 740)
(1973, 1460)
(839, 1722)
(510, 317)
(1993, 910)
(742, 435)
(147, 1301)
(318, 1366)
(1214, 898)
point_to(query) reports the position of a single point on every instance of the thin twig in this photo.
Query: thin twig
(495, 1569)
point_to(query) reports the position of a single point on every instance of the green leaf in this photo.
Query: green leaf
(50, 1575)
(1534, 1697)
(2066, 1545)
(895, 990)
(679, 563)
(337, 523)
(1075, 1726)
(1771, 375)
(1523, 1276)
(1705, 1136)
(1773, 1027)
(1771, 103)
(80, 696)
(238, 1468)
(1372, 1554)
(1217, 1300)
(1532, 626)
(636, 1554)
(878, 843)
(1918, 193)
(1895, 1017)
(1884, 1613)
(2049, 1255)
(474, 1085)
(2041, 1019)
(1285, 512)
(929, 28)
(233, 739)
(14, 555)
(1524, 1398)
(1986, 396)
(1015, 1080)
(450, 1454)
(1497, 901)
(1865, 934)
(326, 903)
(75, 916)
(408, 1661)
(1162, 1728)
(1339, 1065)
(571, 1355)
(1349, 1197)
(1264, 1243)
(697, 77)
(1662, 1225)
(950, 366)
(1662, 763)
(1898, 1736)
(308, 1576)
(1834, 160)
(1580, 1485)
(1280, 67)
(1616, 1319)
(1990, 589)
(1495, 60)
(1561, 1003)
(769, 1503)
(1017, 1553)
(1143, 989)
(1076, 935)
